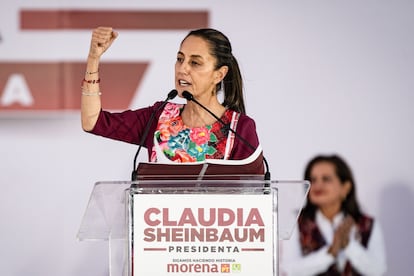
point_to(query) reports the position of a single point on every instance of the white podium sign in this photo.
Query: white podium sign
(203, 234)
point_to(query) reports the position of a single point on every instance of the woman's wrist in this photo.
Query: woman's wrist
(90, 83)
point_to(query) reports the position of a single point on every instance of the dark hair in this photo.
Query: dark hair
(342, 170)
(220, 48)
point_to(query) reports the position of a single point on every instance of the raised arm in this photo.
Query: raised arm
(102, 38)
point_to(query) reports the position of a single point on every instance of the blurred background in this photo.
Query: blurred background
(320, 77)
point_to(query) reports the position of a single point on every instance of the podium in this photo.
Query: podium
(190, 226)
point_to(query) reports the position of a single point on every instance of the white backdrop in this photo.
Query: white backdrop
(321, 77)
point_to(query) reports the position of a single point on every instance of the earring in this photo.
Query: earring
(221, 86)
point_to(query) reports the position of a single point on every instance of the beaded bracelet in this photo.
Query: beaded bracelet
(91, 93)
(91, 81)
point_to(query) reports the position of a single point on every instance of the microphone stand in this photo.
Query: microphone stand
(173, 93)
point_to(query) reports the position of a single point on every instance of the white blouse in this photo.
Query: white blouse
(367, 261)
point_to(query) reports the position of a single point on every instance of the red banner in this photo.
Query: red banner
(136, 20)
(56, 86)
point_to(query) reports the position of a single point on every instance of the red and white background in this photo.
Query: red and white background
(320, 77)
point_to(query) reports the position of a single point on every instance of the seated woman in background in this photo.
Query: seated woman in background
(333, 235)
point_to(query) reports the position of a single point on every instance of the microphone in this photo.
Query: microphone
(189, 97)
(173, 93)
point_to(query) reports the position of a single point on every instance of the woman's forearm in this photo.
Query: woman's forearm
(91, 99)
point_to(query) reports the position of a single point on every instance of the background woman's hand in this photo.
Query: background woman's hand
(102, 38)
(341, 236)
(345, 230)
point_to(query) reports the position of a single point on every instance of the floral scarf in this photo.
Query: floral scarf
(180, 143)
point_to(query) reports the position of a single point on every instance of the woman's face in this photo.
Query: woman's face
(326, 188)
(195, 68)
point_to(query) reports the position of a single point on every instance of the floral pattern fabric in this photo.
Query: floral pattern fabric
(181, 143)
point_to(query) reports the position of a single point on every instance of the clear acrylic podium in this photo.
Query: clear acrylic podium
(109, 215)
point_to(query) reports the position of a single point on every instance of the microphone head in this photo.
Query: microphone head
(187, 95)
(173, 93)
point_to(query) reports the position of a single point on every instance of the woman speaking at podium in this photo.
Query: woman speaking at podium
(203, 128)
